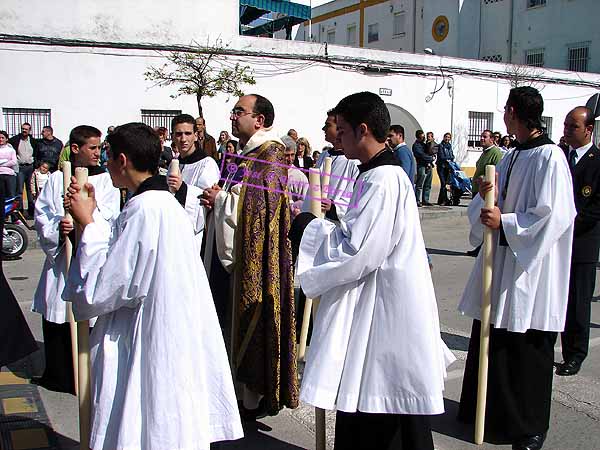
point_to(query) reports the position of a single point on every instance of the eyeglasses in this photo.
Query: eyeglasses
(240, 112)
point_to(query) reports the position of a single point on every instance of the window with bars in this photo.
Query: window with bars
(351, 35)
(160, 118)
(547, 125)
(535, 57)
(478, 121)
(331, 37)
(579, 56)
(489, 2)
(15, 117)
(373, 32)
(400, 23)
(597, 133)
(534, 3)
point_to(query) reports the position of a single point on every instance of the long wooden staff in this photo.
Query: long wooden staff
(486, 301)
(66, 169)
(83, 345)
(173, 170)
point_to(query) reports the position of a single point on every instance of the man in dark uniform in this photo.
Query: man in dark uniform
(584, 160)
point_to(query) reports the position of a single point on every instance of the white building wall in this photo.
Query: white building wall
(432, 9)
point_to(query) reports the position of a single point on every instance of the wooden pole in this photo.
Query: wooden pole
(83, 345)
(486, 300)
(66, 169)
(173, 170)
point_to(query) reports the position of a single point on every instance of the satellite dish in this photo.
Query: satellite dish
(594, 104)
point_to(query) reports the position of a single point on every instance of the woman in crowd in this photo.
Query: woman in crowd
(222, 143)
(303, 150)
(8, 164)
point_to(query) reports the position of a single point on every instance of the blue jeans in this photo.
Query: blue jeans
(24, 177)
(423, 185)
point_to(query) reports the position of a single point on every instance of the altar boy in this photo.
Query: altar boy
(160, 375)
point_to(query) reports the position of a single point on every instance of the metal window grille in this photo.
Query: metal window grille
(15, 117)
(160, 118)
(547, 125)
(351, 35)
(492, 58)
(488, 2)
(534, 3)
(535, 57)
(331, 37)
(373, 32)
(578, 57)
(597, 133)
(400, 23)
(478, 121)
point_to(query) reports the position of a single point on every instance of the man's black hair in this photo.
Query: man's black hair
(367, 108)
(528, 105)
(182, 118)
(49, 128)
(419, 133)
(398, 129)
(488, 131)
(80, 134)
(589, 115)
(263, 106)
(139, 142)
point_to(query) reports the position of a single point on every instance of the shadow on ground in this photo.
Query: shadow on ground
(441, 251)
(256, 437)
(456, 342)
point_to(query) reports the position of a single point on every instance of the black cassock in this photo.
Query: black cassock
(16, 340)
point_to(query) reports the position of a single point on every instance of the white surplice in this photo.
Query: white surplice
(202, 175)
(531, 275)
(344, 173)
(376, 344)
(160, 374)
(49, 211)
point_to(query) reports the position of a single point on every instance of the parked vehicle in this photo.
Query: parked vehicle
(459, 183)
(14, 236)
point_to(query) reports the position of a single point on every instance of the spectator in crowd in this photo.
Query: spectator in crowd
(167, 154)
(26, 147)
(444, 156)
(39, 178)
(302, 159)
(297, 182)
(424, 173)
(103, 150)
(293, 134)
(205, 141)
(431, 145)
(222, 143)
(49, 148)
(497, 138)
(315, 155)
(562, 143)
(507, 144)
(8, 164)
(395, 140)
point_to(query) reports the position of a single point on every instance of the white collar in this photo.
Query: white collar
(582, 150)
(259, 138)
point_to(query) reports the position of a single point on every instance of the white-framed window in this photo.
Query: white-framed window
(160, 118)
(547, 125)
(579, 55)
(479, 121)
(535, 57)
(400, 23)
(534, 3)
(373, 32)
(15, 117)
(331, 37)
(351, 34)
(492, 58)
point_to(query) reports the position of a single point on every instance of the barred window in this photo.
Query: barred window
(534, 3)
(351, 35)
(373, 32)
(488, 2)
(597, 133)
(492, 58)
(535, 57)
(547, 125)
(478, 121)
(160, 118)
(400, 23)
(15, 117)
(579, 57)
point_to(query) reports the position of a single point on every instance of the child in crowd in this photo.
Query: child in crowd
(39, 178)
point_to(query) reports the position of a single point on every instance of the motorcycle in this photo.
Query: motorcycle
(14, 236)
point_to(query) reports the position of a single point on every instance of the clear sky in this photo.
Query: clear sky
(314, 2)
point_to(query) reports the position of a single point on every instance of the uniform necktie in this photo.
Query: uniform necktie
(572, 158)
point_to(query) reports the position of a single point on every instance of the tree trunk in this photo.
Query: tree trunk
(199, 100)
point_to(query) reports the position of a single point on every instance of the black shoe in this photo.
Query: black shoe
(530, 442)
(568, 368)
(427, 204)
(251, 415)
(419, 204)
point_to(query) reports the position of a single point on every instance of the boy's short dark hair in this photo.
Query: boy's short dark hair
(419, 133)
(139, 143)
(367, 108)
(183, 118)
(528, 105)
(398, 129)
(80, 134)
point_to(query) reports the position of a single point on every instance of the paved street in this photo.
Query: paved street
(575, 407)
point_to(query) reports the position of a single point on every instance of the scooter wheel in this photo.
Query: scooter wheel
(14, 241)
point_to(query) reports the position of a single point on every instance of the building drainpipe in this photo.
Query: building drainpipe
(510, 30)
(415, 26)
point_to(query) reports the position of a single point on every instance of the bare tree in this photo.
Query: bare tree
(518, 75)
(204, 73)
